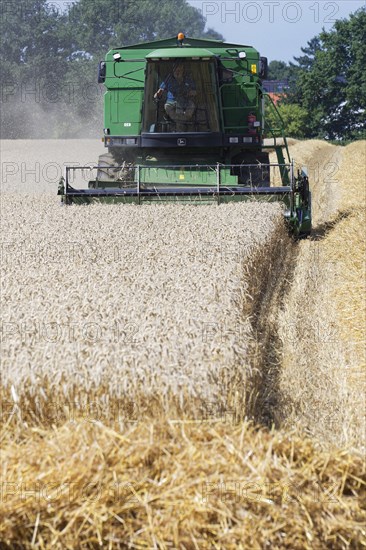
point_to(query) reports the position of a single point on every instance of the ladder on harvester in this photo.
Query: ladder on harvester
(277, 132)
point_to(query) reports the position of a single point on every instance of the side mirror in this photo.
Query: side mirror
(102, 69)
(263, 71)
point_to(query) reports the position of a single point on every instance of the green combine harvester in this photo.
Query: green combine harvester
(184, 121)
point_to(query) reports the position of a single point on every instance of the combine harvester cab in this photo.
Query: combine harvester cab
(184, 121)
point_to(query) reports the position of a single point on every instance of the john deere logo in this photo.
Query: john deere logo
(182, 141)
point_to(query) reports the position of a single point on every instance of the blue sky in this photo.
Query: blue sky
(277, 28)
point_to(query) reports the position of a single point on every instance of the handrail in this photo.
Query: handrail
(282, 124)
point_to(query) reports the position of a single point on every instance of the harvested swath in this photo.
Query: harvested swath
(349, 292)
(180, 485)
(351, 176)
(314, 366)
(351, 285)
(322, 325)
(128, 302)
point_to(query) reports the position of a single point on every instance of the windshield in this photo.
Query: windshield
(181, 97)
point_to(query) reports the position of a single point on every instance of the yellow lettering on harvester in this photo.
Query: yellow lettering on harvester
(254, 69)
(181, 176)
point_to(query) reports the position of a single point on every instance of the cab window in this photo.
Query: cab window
(181, 95)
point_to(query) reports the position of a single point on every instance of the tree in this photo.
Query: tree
(306, 61)
(295, 119)
(34, 52)
(278, 70)
(104, 24)
(331, 80)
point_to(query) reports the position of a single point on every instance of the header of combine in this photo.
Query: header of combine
(183, 114)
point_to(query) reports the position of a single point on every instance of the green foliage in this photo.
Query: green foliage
(330, 81)
(132, 22)
(278, 70)
(34, 50)
(294, 117)
(306, 61)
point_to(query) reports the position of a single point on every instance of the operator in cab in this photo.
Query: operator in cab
(180, 90)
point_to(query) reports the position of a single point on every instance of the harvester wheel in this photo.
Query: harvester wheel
(110, 171)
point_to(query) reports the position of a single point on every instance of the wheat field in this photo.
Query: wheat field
(134, 305)
(180, 376)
